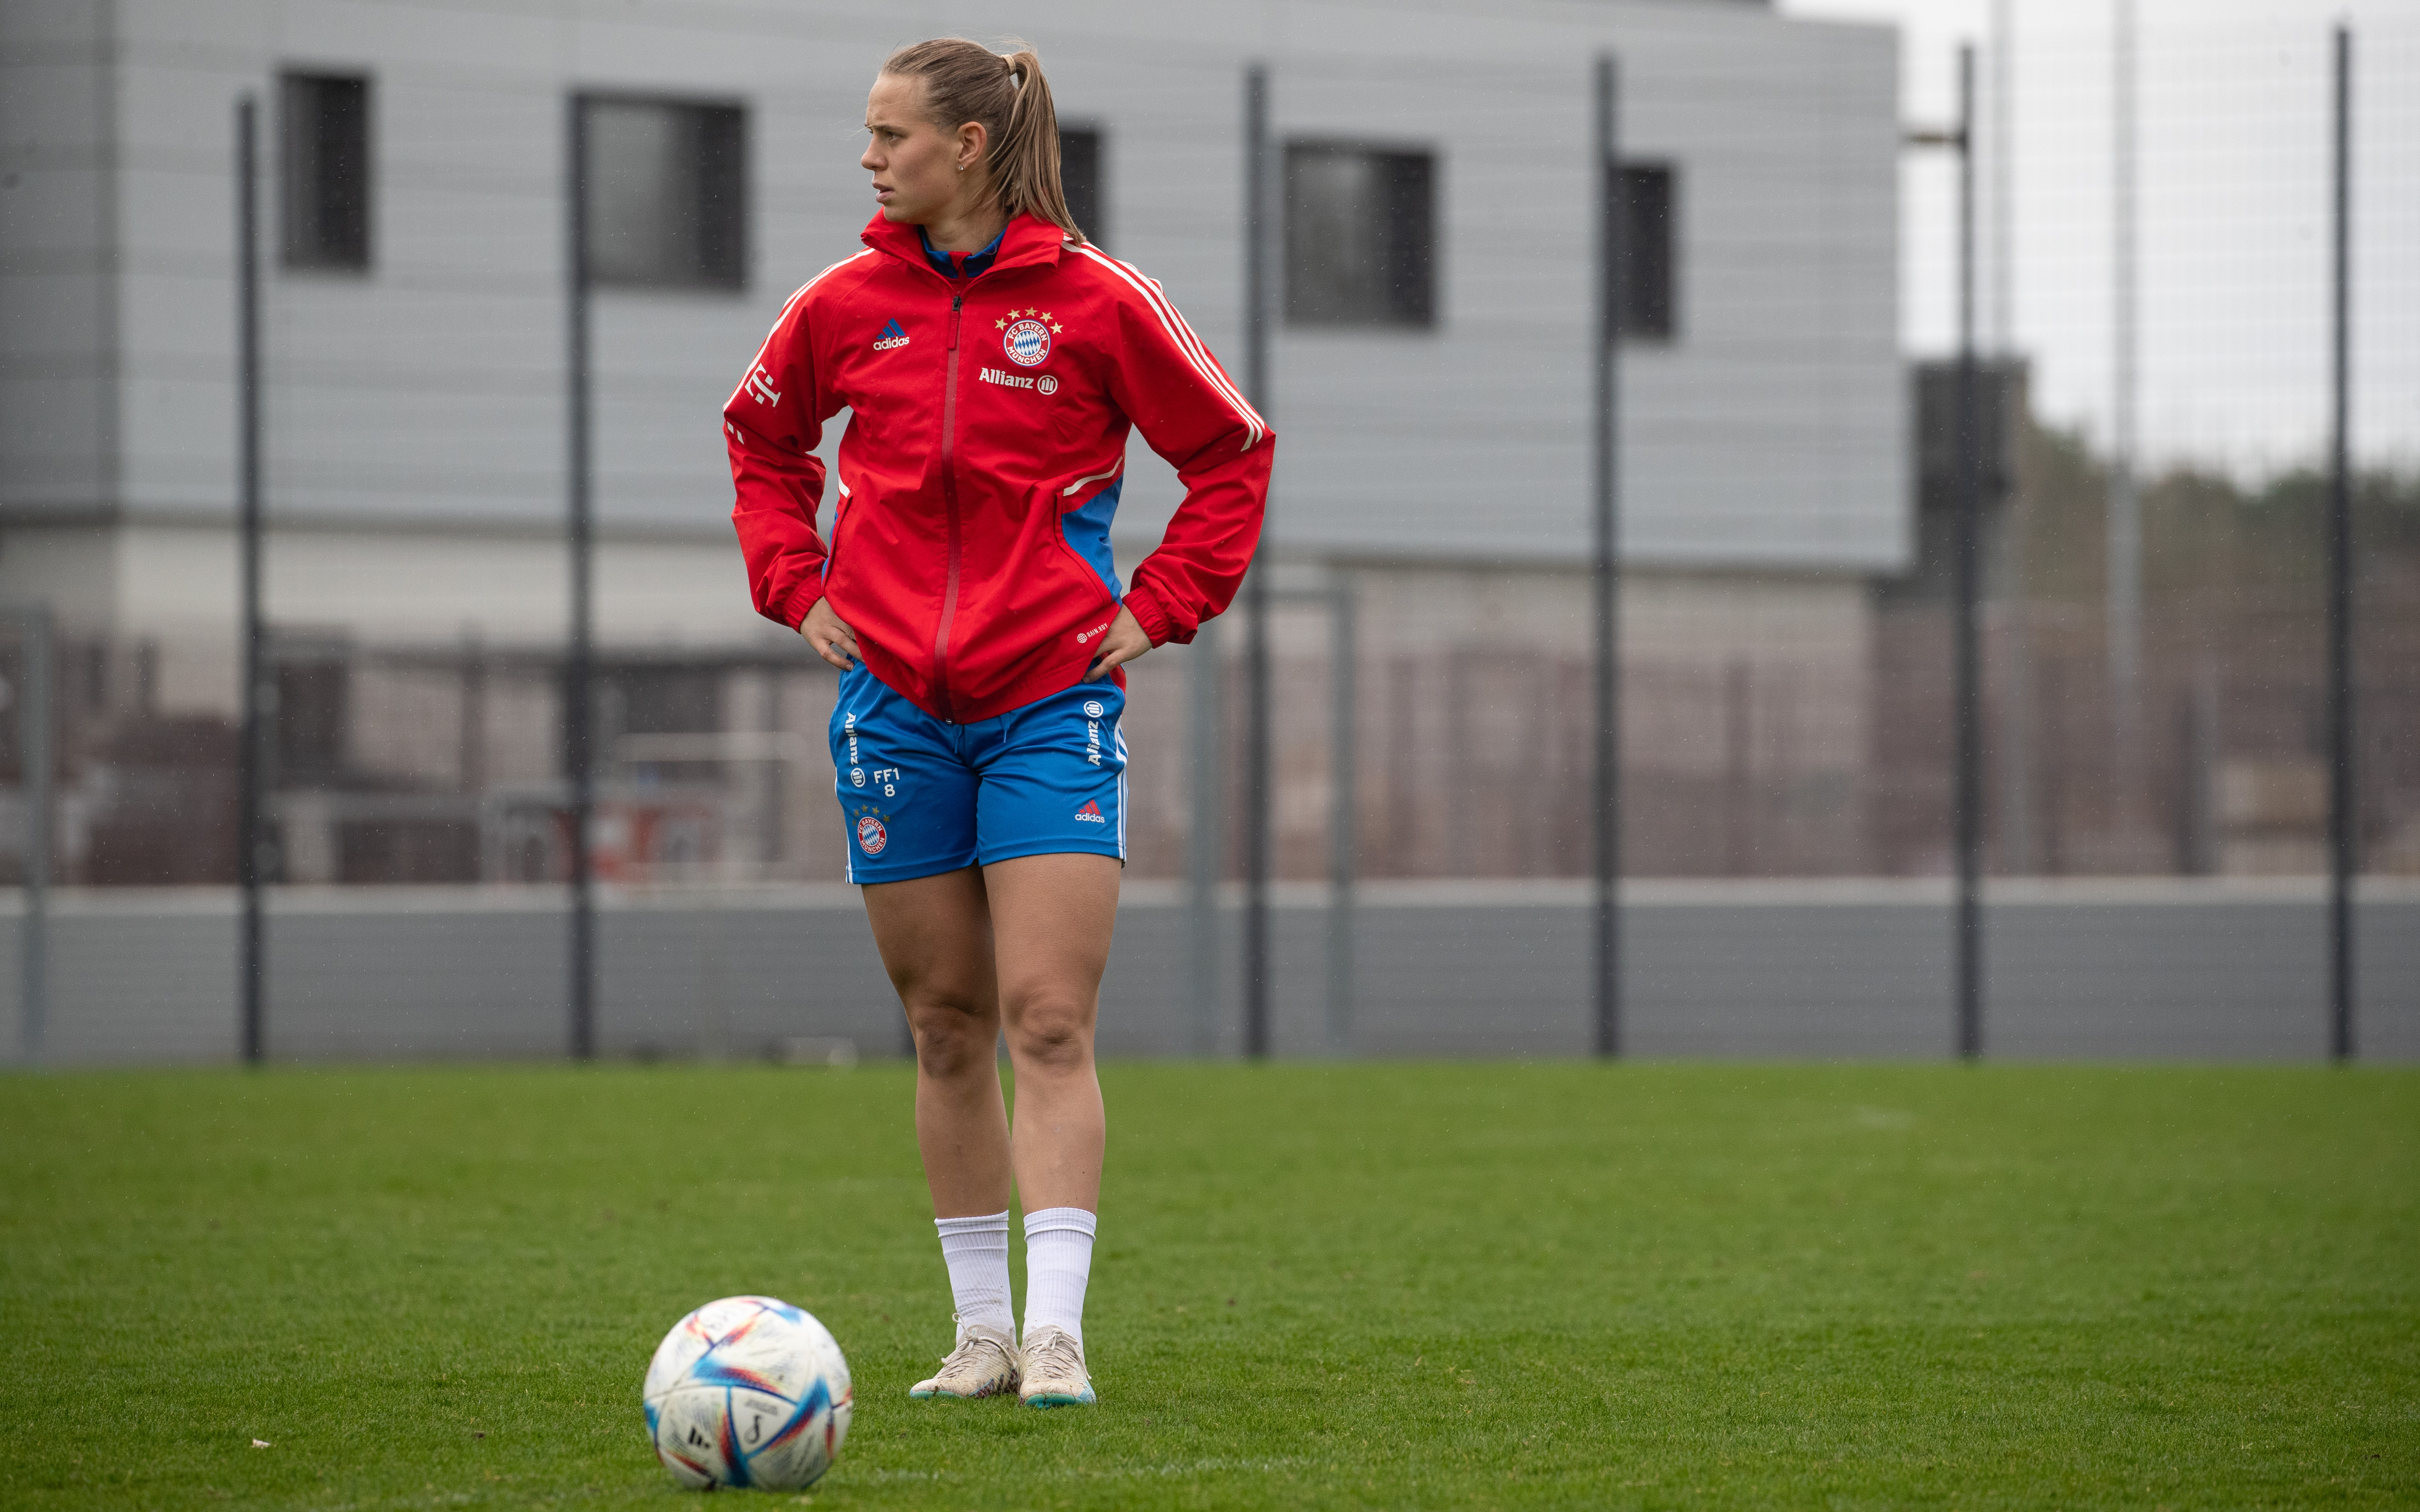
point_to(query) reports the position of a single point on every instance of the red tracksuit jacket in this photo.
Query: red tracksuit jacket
(986, 447)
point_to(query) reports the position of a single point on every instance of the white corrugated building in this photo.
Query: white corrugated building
(1431, 366)
(415, 402)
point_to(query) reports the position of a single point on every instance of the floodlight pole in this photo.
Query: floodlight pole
(1967, 780)
(258, 694)
(2344, 836)
(1606, 357)
(2016, 763)
(1969, 802)
(1256, 584)
(579, 676)
(2124, 588)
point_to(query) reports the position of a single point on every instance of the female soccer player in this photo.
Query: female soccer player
(993, 362)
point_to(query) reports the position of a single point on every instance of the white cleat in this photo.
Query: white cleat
(983, 1364)
(1054, 1370)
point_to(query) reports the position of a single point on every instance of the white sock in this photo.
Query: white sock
(1057, 1262)
(977, 1251)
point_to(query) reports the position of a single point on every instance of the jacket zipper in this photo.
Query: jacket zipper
(950, 509)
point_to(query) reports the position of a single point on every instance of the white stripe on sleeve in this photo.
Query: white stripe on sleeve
(1187, 345)
(787, 305)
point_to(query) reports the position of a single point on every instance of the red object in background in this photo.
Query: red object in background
(632, 838)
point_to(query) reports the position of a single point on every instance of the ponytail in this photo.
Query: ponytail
(967, 81)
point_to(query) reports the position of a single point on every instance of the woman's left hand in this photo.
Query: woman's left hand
(1124, 641)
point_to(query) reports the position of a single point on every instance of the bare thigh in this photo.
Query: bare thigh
(1052, 917)
(935, 935)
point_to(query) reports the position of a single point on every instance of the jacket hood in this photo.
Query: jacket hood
(1026, 241)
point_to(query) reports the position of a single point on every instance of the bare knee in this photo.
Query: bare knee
(953, 1038)
(1049, 1031)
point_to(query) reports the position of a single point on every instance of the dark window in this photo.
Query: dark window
(667, 193)
(324, 127)
(1080, 175)
(1360, 233)
(1646, 205)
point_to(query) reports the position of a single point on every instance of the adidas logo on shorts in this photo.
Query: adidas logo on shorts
(1090, 813)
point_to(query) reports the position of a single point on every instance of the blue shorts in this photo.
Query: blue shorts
(921, 795)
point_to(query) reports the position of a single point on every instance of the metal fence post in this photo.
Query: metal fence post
(1205, 850)
(1605, 355)
(34, 755)
(579, 675)
(1257, 964)
(1343, 820)
(258, 694)
(2344, 797)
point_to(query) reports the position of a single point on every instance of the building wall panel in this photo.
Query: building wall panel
(426, 392)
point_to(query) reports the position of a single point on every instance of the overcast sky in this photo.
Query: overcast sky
(2233, 110)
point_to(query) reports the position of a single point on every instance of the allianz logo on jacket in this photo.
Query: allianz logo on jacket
(1012, 381)
(894, 335)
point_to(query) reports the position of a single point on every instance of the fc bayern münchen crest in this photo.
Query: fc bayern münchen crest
(870, 835)
(1027, 343)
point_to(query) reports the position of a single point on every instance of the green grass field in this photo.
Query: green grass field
(1428, 1285)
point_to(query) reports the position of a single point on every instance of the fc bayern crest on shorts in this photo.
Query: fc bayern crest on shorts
(870, 835)
(1027, 342)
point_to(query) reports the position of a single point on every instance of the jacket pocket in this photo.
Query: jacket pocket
(842, 509)
(1090, 550)
(1074, 559)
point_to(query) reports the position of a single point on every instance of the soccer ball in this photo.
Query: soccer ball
(747, 1391)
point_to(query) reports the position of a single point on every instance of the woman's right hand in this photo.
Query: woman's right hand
(833, 641)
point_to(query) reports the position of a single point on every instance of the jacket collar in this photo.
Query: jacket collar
(1026, 241)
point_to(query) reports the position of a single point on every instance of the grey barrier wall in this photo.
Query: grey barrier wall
(2167, 969)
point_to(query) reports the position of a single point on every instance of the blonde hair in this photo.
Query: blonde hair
(969, 82)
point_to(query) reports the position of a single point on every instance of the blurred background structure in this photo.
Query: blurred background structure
(2155, 785)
